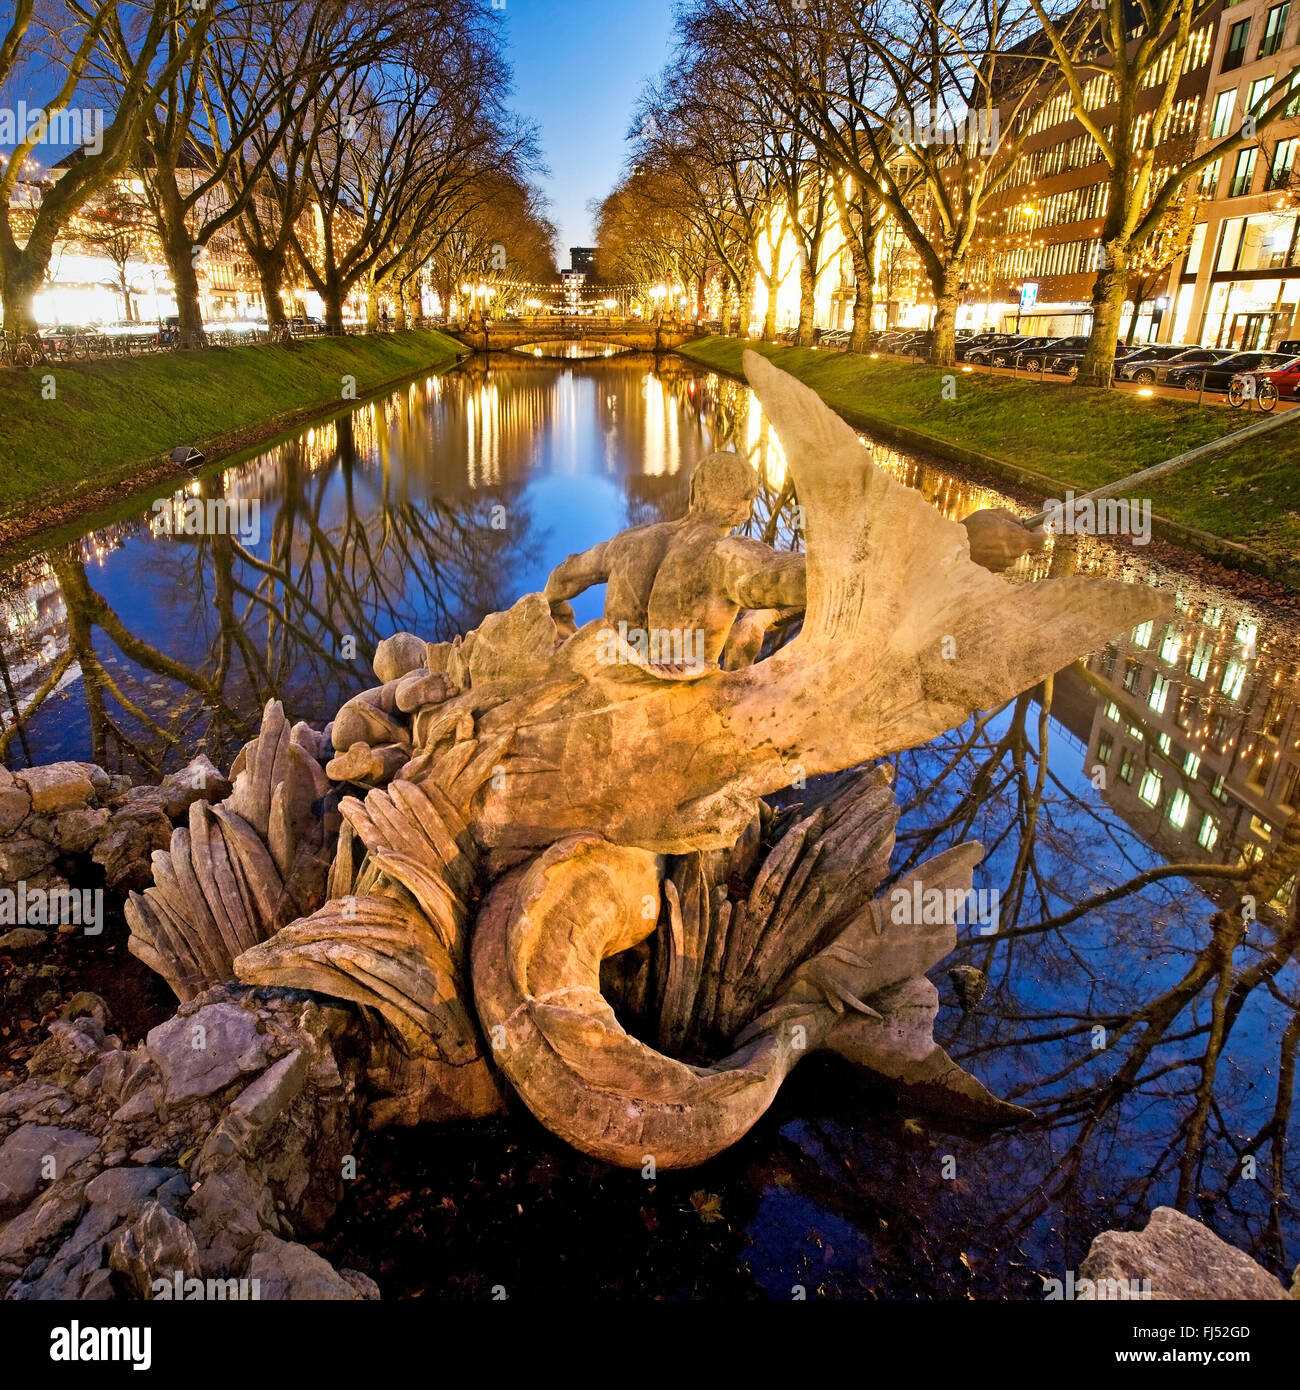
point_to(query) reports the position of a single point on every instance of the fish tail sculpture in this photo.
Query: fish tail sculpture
(533, 811)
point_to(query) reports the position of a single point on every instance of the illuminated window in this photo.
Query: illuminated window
(1172, 645)
(1235, 53)
(1191, 765)
(1220, 789)
(1159, 693)
(1112, 712)
(1126, 765)
(1221, 121)
(1165, 744)
(1200, 662)
(1234, 673)
(1149, 788)
(1208, 835)
(1243, 174)
(1142, 635)
(1179, 804)
(1274, 26)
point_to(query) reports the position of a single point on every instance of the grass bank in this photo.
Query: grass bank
(1242, 508)
(110, 421)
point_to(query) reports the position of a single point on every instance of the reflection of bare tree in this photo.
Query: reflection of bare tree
(351, 555)
(1117, 1010)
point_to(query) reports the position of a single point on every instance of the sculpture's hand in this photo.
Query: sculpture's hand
(998, 540)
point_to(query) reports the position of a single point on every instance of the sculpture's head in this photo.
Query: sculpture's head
(723, 488)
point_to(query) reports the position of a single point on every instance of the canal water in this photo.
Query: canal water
(1177, 745)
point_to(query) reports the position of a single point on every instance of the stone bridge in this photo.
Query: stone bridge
(499, 335)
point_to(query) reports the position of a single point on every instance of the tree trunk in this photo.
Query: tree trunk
(185, 281)
(1108, 295)
(268, 277)
(863, 308)
(807, 305)
(747, 303)
(333, 307)
(947, 295)
(769, 312)
(21, 281)
(372, 307)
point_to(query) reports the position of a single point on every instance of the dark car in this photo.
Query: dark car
(1143, 364)
(1218, 375)
(1039, 353)
(964, 346)
(1031, 350)
(998, 354)
(1068, 363)
(1189, 357)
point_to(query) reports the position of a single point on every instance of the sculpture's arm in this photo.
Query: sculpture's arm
(756, 576)
(998, 540)
(577, 573)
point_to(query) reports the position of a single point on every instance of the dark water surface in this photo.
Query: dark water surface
(1159, 1064)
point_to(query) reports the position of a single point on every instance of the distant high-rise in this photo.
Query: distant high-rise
(583, 259)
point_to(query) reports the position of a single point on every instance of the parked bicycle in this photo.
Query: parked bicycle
(23, 349)
(1249, 388)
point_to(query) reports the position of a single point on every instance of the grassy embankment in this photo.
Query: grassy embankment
(1048, 437)
(111, 420)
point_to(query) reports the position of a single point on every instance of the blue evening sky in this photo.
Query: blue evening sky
(579, 68)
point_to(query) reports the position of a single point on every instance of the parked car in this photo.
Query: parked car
(1038, 352)
(1007, 356)
(892, 338)
(1143, 364)
(985, 352)
(916, 344)
(1218, 375)
(1189, 357)
(968, 345)
(1068, 363)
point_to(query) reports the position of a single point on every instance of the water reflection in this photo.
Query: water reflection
(1129, 809)
(564, 347)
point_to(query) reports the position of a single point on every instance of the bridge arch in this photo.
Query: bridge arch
(500, 335)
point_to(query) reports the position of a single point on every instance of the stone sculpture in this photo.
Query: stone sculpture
(533, 833)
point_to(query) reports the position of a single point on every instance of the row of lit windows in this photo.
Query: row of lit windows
(1069, 205)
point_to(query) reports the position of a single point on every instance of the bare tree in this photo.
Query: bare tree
(70, 38)
(1139, 48)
